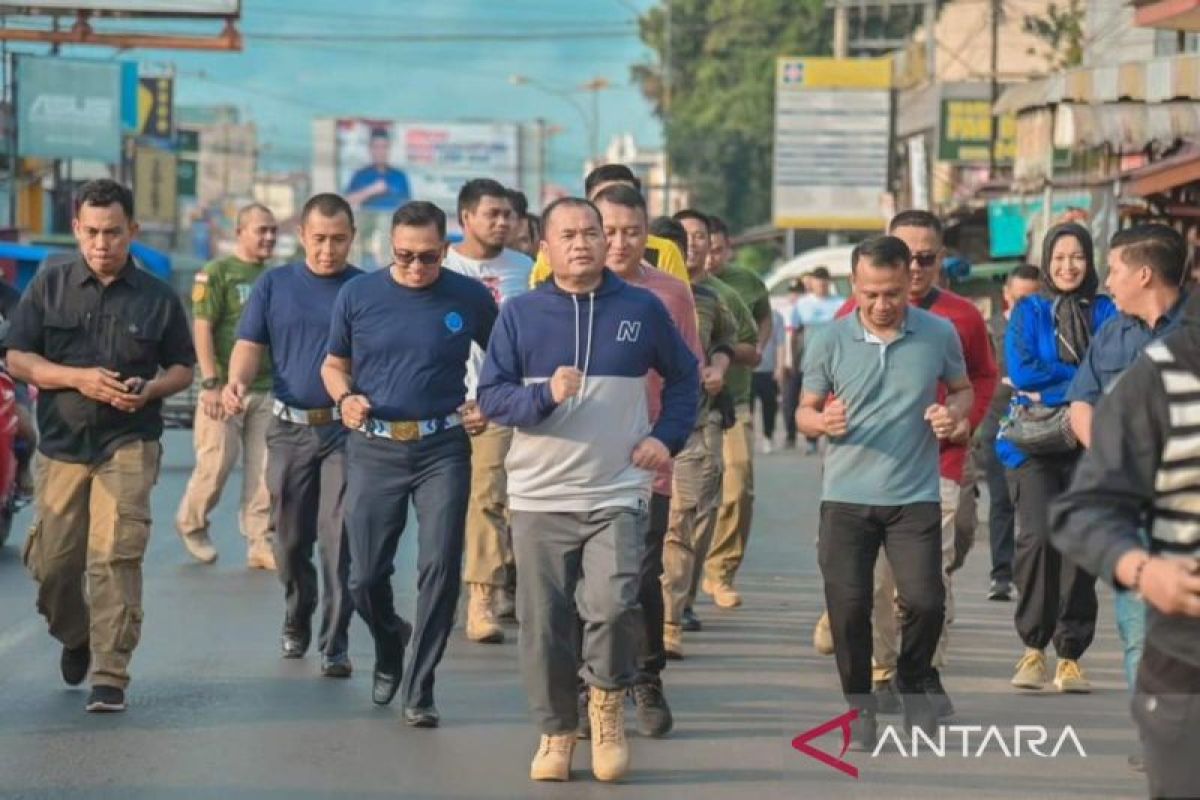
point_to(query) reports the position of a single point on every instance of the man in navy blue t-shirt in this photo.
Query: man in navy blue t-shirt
(288, 314)
(398, 348)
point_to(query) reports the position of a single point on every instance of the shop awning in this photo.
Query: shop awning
(1176, 15)
(1125, 126)
(1157, 80)
(1162, 176)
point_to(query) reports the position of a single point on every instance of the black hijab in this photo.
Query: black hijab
(1072, 310)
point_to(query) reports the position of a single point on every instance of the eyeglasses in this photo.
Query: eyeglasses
(925, 260)
(429, 258)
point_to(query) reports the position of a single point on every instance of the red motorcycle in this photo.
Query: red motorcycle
(9, 491)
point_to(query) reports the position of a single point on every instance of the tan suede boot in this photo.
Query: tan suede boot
(552, 762)
(610, 750)
(482, 625)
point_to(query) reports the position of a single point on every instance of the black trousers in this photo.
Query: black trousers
(652, 656)
(1001, 513)
(765, 389)
(1057, 599)
(1166, 707)
(306, 477)
(847, 548)
(791, 402)
(382, 477)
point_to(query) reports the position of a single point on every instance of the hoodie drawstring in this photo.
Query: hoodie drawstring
(587, 359)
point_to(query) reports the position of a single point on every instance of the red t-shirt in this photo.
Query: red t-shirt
(981, 365)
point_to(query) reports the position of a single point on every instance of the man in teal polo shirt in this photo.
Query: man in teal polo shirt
(870, 386)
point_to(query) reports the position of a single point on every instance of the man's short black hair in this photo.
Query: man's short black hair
(621, 195)
(916, 218)
(520, 203)
(420, 214)
(821, 273)
(716, 226)
(535, 227)
(1024, 272)
(327, 204)
(1154, 245)
(381, 133)
(691, 213)
(881, 251)
(670, 229)
(568, 202)
(606, 173)
(102, 193)
(475, 190)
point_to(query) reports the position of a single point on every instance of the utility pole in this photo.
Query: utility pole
(995, 88)
(841, 29)
(10, 99)
(666, 104)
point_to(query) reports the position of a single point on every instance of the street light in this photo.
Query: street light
(595, 86)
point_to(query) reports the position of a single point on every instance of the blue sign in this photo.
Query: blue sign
(69, 108)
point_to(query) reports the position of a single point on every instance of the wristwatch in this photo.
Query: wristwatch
(210, 383)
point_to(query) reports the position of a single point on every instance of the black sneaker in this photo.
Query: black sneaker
(1001, 591)
(585, 723)
(919, 713)
(294, 642)
(887, 701)
(653, 714)
(690, 622)
(106, 700)
(75, 663)
(864, 732)
(937, 695)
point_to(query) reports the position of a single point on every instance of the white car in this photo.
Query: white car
(836, 259)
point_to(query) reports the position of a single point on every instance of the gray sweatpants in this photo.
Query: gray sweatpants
(567, 560)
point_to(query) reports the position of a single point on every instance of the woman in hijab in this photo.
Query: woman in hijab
(1047, 337)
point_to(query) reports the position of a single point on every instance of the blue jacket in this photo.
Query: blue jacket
(1031, 355)
(576, 456)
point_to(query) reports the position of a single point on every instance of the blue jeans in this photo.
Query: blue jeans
(1131, 627)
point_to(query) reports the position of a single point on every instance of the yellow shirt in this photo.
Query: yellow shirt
(661, 253)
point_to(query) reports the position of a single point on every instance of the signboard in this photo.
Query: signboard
(69, 108)
(1015, 224)
(185, 184)
(193, 8)
(381, 164)
(832, 119)
(156, 107)
(967, 130)
(155, 186)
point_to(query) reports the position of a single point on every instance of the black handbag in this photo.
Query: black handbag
(1039, 430)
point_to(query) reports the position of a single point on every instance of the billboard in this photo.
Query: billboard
(381, 164)
(155, 186)
(195, 8)
(832, 127)
(69, 108)
(967, 133)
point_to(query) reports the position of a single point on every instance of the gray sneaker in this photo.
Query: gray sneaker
(200, 546)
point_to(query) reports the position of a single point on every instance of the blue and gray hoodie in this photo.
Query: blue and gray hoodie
(576, 456)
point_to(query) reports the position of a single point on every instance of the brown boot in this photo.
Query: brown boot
(552, 762)
(673, 641)
(260, 555)
(481, 616)
(610, 751)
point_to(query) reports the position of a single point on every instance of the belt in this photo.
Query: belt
(305, 416)
(409, 430)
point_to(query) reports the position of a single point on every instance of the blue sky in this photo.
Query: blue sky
(282, 84)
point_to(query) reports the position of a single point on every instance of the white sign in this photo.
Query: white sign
(216, 8)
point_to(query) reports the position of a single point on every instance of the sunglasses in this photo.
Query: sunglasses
(429, 258)
(925, 260)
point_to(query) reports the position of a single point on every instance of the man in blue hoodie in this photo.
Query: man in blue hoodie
(566, 367)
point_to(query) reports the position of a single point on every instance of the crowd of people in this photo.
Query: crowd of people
(567, 402)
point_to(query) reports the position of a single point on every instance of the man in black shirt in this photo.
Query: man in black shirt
(105, 342)
(1140, 473)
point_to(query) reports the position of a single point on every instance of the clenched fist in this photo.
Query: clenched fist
(565, 383)
(834, 418)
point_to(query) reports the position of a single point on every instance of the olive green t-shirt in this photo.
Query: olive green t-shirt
(219, 294)
(750, 288)
(737, 377)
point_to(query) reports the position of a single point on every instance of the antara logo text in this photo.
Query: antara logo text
(950, 741)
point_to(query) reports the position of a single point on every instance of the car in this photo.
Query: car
(836, 259)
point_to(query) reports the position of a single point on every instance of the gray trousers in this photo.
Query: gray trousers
(384, 475)
(577, 562)
(306, 477)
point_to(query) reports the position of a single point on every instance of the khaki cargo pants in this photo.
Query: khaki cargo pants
(695, 497)
(93, 520)
(219, 443)
(488, 549)
(734, 516)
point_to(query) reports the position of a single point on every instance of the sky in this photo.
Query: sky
(306, 58)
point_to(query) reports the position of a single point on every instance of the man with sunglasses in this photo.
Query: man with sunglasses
(397, 366)
(921, 231)
(485, 211)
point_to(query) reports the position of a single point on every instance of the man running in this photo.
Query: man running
(287, 317)
(400, 387)
(486, 215)
(567, 369)
(220, 293)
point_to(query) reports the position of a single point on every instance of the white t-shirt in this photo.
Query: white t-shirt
(506, 275)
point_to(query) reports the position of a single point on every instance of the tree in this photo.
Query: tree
(719, 116)
(1062, 31)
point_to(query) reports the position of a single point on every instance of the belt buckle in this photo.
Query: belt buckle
(320, 416)
(405, 431)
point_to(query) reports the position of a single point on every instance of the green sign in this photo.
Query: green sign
(69, 108)
(185, 178)
(1014, 223)
(967, 132)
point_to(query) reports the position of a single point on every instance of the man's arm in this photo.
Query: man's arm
(1080, 415)
(745, 351)
(1086, 387)
(244, 363)
(503, 395)
(981, 367)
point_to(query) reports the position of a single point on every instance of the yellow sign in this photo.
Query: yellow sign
(967, 132)
(834, 73)
(156, 107)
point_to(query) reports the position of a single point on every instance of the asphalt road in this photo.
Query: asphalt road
(215, 713)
